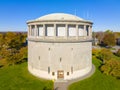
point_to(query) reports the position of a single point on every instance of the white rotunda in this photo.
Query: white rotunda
(59, 46)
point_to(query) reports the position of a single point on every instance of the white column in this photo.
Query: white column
(85, 33)
(90, 31)
(66, 29)
(28, 30)
(77, 32)
(44, 30)
(54, 31)
(35, 29)
(31, 30)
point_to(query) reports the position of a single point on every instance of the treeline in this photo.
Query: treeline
(13, 48)
(107, 38)
(110, 62)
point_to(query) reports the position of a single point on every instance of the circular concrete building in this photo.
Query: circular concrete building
(59, 46)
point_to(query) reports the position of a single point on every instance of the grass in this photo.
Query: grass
(97, 81)
(18, 78)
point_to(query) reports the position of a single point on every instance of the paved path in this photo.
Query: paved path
(63, 84)
(60, 85)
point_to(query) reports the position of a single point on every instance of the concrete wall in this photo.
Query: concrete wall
(59, 56)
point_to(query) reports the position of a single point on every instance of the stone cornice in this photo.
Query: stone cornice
(54, 21)
(58, 40)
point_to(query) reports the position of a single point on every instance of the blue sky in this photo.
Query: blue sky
(105, 14)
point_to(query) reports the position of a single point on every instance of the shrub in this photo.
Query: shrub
(105, 55)
(112, 67)
(118, 53)
(95, 52)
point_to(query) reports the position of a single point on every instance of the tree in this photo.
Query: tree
(12, 48)
(99, 36)
(117, 34)
(108, 31)
(1, 41)
(22, 54)
(14, 40)
(109, 39)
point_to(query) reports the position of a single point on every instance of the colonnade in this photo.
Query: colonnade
(38, 30)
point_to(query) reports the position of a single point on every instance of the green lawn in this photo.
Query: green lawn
(97, 81)
(18, 78)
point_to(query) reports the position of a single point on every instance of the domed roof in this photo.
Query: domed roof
(59, 16)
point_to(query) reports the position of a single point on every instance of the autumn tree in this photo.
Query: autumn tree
(100, 36)
(14, 40)
(117, 34)
(12, 47)
(112, 67)
(109, 39)
(22, 55)
(1, 41)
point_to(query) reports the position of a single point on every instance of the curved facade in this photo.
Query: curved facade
(59, 46)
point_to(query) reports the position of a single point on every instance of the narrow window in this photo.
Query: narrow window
(87, 29)
(71, 48)
(39, 57)
(48, 70)
(37, 31)
(60, 59)
(53, 73)
(49, 49)
(71, 69)
(67, 73)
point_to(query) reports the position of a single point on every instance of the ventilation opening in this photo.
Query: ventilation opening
(53, 73)
(60, 59)
(67, 73)
(71, 69)
(39, 57)
(48, 70)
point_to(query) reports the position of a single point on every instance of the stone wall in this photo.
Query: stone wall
(69, 57)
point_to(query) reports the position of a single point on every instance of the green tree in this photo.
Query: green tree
(108, 31)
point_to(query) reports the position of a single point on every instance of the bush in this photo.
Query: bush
(112, 67)
(109, 39)
(95, 52)
(118, 53)
(105, 55)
